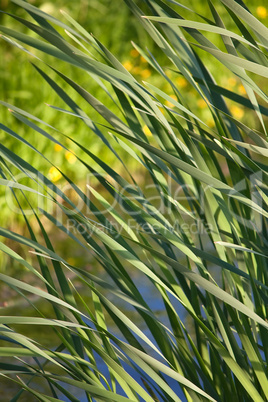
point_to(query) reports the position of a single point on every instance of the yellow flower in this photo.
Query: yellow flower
(71, 158)
(261, 12)
(242, 90)
(128, 65)
(134, 53)
(57, 147)
(146, 73)
(237, 112)
(201, 103)
(181, 81)
(143, 60)
(210, 122)
(54, 174)
(231, 82)
(170, 104)
(146, 130)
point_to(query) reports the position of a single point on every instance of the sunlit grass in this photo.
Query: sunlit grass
(145, 217)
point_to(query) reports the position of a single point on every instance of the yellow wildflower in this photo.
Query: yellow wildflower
(71, 158)
(237, 112)
(146, 130)
(54, 174)
(146, 73)
(242, 90)
(261, 12)
(210, 122)
(128, 65)
(231, 82)
(57, 147)
(181, 81)
(143, 60)
(134, 53)
(201, 103)
(170, 104)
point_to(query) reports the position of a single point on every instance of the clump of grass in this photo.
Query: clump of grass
(194, 230)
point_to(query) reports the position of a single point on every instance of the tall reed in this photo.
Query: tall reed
(182, 212)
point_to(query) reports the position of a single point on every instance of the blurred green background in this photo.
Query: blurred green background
(112, 23)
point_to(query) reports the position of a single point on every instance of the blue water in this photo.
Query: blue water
(153, 299)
